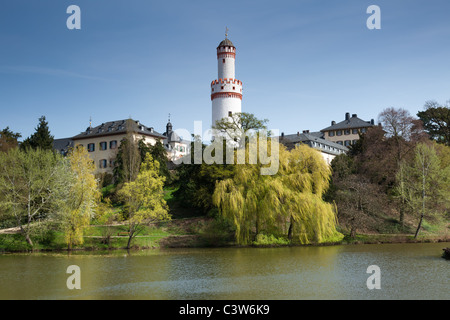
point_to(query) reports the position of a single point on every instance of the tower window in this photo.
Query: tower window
(223, 60)
(234, 88)
(221, 87)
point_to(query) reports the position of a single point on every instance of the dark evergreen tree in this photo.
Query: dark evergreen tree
(436, 121)
(41, 139)
(159, 153)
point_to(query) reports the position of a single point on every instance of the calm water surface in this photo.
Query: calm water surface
(408, 271)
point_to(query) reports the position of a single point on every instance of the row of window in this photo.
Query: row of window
(222, 87)
(345, 132)
(324, 146)
(102, 145)
(346, 143)
(103, 163)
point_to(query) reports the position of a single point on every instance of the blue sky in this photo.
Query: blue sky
(303, 63)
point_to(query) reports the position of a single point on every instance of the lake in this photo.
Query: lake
(407, 271)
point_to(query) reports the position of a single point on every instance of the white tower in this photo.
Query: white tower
(226, 91)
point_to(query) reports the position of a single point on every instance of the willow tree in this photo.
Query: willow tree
(288, 203)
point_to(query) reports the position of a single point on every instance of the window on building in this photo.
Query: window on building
(102, 163)
(347, 143)
(234, 88)
(339, 142)
(354, 141)
(363, 130)
(91, 147)
(103, 145)
(223, 60)
(221, 87)
(347, 132)
(113, 144)
(339, 133)
(112, 162)
(331, 134)
(355, 131)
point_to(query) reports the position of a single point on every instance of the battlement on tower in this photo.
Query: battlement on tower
(226, 81)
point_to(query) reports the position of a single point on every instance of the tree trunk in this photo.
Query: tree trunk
(352, 232)
(290, 231)
(418, 227)
(129, 241)
(423, 202)
(27, 236)
(28, 239)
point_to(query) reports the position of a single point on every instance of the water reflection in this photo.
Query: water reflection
(408, 271)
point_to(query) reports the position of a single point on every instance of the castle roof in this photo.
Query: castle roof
(349, 123)
(314, 140)
(226, 43)
(118, 127)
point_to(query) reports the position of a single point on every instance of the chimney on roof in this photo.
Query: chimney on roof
(347, 115)
(372, 122)
(282, 135)
(305, 131)
(354, 115)
(298, 133)
(333, 123)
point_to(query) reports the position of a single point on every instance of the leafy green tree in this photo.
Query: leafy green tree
(196, 182)
(158, 153)
(128, 160)
(288, 203)
(425, 184)
(239, 125)
(144, 198)
(82, 196)
(106, 215)
(8, 139)
(40, 139)
(436, 120)
(29, 184)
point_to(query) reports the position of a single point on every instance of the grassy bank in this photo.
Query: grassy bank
(186, 232)
(190, 232)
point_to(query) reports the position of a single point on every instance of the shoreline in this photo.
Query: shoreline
(196, 242)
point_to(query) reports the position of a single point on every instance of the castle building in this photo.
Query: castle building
(347, 131)
(176, 147)
(102, 142)
(328, 149)
(226, 90)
